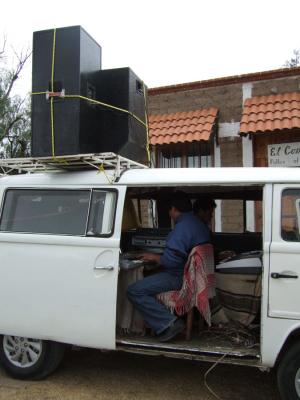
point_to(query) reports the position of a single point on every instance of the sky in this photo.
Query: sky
(165, 42)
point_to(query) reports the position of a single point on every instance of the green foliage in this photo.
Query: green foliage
(294, 61)
(14, 111)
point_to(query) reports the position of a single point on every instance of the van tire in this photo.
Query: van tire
(288, 374)
(25, 358)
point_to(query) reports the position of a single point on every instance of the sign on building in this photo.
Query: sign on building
(284, 155)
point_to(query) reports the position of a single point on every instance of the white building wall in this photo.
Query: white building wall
(228, 129)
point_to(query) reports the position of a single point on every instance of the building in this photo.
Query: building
(250, 120)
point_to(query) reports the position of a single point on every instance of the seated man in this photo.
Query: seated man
(188, 232)
(204, 208)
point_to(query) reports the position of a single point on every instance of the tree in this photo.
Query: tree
(294, 61)
(14, 110)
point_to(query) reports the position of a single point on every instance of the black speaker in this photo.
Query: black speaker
(69, 56)
(122, 132)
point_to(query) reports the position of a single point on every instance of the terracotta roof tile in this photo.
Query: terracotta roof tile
(182, 127)
(269, 113)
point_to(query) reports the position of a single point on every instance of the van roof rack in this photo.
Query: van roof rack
(100, 161)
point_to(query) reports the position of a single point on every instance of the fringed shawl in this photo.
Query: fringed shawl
(198, 284)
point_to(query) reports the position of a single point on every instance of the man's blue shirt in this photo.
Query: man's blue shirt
(188, 232)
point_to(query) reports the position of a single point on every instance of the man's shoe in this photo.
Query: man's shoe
(173, 330)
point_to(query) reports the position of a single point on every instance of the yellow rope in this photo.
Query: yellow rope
(52, 88)
(100, 103)
(60, 160)
(147, 127)
(52, 127)
(102, 169)
(37, 93)
(53, 60)
(97, 102)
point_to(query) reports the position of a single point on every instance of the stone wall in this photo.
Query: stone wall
(232, 216)
(276, 86)
(232, 211)
(231, 150)
(228, 99)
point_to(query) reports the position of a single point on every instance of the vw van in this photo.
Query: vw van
(64, 238)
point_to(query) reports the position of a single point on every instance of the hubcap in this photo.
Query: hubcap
(297, 382)
(22, 352)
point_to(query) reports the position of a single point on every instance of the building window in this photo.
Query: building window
(185, 155)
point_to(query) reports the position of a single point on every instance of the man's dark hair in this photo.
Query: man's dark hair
(204, 203)
(181, 201)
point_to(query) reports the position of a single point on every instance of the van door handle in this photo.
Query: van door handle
(108, 268)
(276, 275)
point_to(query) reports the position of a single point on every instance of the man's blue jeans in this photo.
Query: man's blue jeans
(142, 296)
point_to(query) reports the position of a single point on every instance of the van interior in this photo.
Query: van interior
(235, 309)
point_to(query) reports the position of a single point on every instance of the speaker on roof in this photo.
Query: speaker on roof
(62, 61)
(122, 126)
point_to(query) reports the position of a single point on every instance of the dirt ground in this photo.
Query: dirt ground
(90, 374)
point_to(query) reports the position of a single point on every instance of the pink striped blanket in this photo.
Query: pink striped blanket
(198, 284)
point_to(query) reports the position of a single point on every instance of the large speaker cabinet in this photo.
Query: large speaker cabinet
(122, 132)
(71, 55)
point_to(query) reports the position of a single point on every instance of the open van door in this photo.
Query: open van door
(284, 278)
(59, 263)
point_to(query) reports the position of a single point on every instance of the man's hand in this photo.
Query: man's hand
(226, 255)
(150, 257)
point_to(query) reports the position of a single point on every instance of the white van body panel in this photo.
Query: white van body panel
(275, 333)
(69, 300)
(208, 176)
(60, 287)
(158, 177)
(284, 294)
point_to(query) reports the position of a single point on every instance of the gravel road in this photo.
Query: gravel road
(91, 374)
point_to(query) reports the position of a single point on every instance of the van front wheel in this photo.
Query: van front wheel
(288, 374)
(26, 358)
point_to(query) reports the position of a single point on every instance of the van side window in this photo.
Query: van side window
(290, 215)
(60, 212)
(102, 213)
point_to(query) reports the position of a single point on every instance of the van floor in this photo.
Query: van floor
(237, 347)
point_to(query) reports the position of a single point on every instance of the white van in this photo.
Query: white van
(62, 243)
